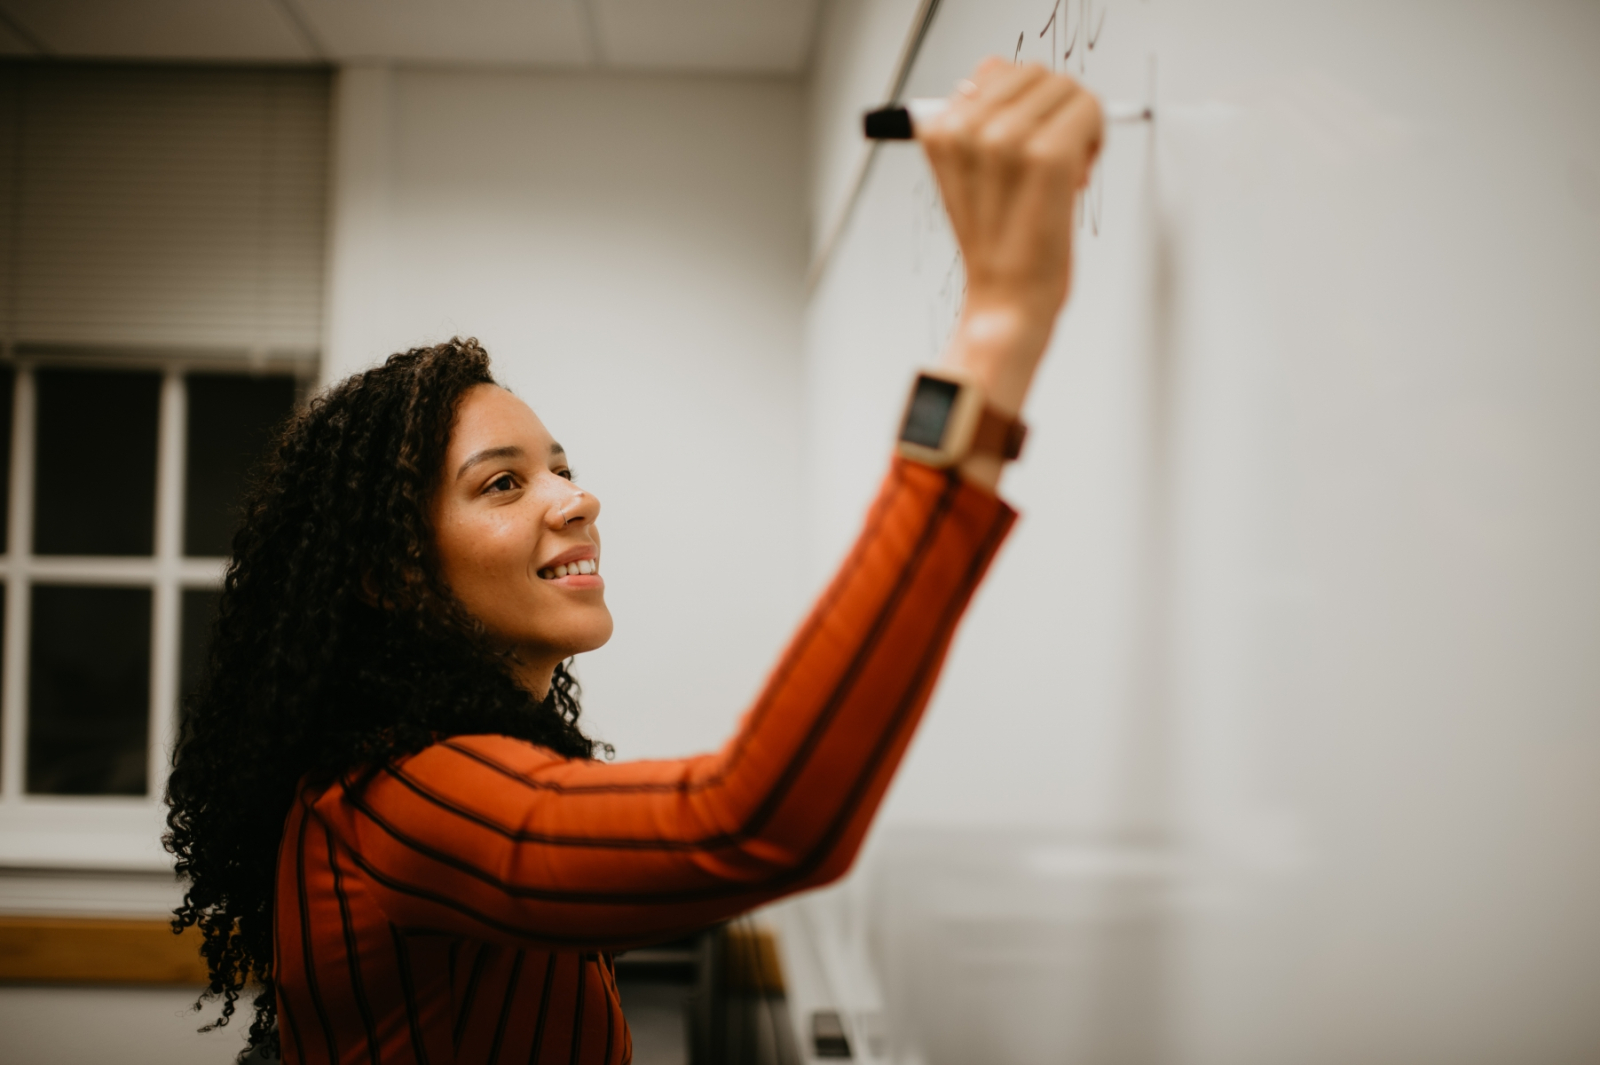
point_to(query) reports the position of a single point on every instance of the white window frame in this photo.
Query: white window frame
(112, 831)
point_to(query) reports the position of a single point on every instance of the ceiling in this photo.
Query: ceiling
(750, 36)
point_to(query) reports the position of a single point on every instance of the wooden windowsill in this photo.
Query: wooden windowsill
(83, 950)
(89, 950)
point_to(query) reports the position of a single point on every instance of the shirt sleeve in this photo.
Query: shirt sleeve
(501, 840)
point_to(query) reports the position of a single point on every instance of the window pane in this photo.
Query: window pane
(88, 690)
(95, 470)
(8, 380)
(199, 611)
(231, 419)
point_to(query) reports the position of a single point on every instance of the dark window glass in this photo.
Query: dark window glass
(199, 611)
(231, 419)
(88, 690)
(95, 470)
(8, 381)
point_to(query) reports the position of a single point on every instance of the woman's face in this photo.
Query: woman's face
(516, 538)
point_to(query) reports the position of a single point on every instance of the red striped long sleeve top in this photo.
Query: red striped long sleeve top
(463, 905)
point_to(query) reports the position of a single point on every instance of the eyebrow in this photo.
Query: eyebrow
(509, 452)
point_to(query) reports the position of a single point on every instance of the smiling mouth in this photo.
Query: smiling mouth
(581, 568)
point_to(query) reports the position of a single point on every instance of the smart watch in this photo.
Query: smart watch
(947, 418)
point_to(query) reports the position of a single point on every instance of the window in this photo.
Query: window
(121, 486)
(161, 233)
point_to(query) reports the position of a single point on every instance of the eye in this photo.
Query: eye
(503, 483)
(567, 473)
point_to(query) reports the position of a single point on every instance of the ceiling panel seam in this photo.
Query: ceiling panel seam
(591, 23)
(27, 36)
(302, 27)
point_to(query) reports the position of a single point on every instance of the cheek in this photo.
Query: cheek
(486, 550)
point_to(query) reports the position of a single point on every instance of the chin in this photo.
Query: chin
(590, 634)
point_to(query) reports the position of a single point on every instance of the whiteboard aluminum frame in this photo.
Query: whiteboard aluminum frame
(920, 24)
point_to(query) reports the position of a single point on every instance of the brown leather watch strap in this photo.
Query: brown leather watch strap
(998, 435)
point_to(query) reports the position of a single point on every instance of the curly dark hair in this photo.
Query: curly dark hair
(338, 648)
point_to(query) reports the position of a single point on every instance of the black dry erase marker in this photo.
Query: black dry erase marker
(897, 122)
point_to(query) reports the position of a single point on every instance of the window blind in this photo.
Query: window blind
(163, 207)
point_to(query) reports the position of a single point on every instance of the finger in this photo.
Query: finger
(1003, 139)
(952, 140)
(1003, 82)
(1072, 136)
(958, 127)
(1022, 116)
(991, 68)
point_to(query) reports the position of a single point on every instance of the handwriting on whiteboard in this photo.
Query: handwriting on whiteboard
(1068, 37)
(1064, 38)
(1074, 29)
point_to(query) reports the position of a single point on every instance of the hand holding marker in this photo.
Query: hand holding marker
(1011, 151)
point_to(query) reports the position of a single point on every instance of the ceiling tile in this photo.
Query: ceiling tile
(160, 29)
(769, 36)
(531, 32)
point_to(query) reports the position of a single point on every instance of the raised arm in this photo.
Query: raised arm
(498, 839)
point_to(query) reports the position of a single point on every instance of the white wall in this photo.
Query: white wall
(631, 251)
(131, 1026)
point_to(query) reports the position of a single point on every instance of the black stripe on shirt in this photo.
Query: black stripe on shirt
(612, 1009)
(305, 937)
(577, 1010)
(505, 1008)
(479, 960)
(408, 989)
(544, 1009)
(352, 954)
(538, 935)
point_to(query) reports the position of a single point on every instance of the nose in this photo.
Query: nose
(573, 507)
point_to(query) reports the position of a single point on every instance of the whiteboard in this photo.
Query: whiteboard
(1298, 642)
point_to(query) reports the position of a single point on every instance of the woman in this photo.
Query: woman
(386, 813)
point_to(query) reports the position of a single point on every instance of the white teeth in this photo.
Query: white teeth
(571, 569)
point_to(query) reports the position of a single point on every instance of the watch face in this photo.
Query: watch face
(929, 411)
